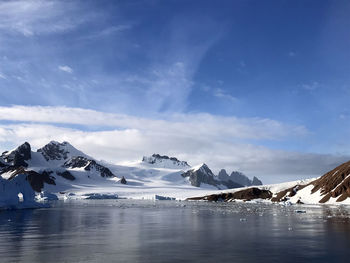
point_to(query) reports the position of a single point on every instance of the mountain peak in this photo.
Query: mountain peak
(59, 151)
(164, 161)
(19, 155)
(256, 181)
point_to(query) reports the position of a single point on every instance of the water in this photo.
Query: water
(170, 231)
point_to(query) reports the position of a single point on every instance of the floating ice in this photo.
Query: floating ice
(159, 197)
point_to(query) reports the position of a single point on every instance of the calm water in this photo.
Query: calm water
(166, 231)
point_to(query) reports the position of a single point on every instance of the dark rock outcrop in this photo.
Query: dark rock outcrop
(123, 180)
(201, 175)
(157, 158)
(240, 178)
(67, 175)
(54, 151)
(285, 194)
(35, 179)
(88, 165)
(246, 195)
(335, 183)
(19, 156)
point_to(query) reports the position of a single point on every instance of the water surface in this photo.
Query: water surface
(170, 231)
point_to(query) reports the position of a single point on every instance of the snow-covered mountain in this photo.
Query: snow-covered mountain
(331, 188)
(60, 168)
(55, 163)
(63, 170)
(163, 161)
(201, 174)
(60, 152)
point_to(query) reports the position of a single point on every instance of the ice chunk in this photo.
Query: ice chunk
(101, 196)
(159, 197)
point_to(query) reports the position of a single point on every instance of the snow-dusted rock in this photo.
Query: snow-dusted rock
(88, 165)
(164, 161)
(55, 151)
(201, 174)
(18, 156)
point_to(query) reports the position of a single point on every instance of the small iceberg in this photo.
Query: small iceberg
(97, 196)
(17, 194)
(162, 198)
(46, 196)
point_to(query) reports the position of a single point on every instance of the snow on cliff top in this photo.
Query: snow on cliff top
(164, 161)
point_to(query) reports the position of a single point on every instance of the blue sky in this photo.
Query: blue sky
(276, 68)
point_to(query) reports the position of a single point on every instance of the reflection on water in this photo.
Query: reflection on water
(166, 231)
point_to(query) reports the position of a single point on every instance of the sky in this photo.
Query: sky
(262, 87)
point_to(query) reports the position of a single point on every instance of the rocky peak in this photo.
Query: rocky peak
(223, 176)
(256, 181)
(59, 151)
(19, 156)
(88, 165)
(165, 161)
(240, 178)
(200, 174)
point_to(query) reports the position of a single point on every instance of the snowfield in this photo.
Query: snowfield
(59, 171)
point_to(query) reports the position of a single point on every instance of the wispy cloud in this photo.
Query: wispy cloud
(66, 68)
(219, 141)
(206, 125)
(108, 31)
(35, 17)
(311, 86)
(220, 93)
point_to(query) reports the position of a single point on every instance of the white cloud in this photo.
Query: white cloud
(220, 93)
(2, 76)
(35, 17)
(206, 125)
(108, 31)
(66, 69)
(131, 144)
(311, 86)
(218, 141)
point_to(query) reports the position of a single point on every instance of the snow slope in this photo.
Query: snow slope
(61, 169)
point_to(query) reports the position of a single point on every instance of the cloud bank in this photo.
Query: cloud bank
(221, 142)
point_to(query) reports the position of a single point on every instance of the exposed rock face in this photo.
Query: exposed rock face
(54, 151)
(35, 179)
(285, 194)
(88, 165)
(256, 181)
(201, 175)
(123, 180)
(165, 161)
(67, 175)
(15, 163)
(335, 183)
(246, 194)
(223, 176)
(240, 178)
(19, 156)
